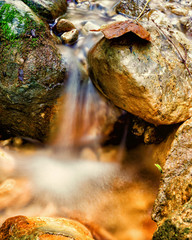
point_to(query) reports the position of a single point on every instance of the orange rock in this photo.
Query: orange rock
(43, 228)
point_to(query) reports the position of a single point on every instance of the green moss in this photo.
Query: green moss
(14, 24)
(8, 16)
(167, 231)
(34, 42)
(186, 230)
(27, 237)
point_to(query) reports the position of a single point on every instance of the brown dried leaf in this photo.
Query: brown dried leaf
(117, 29)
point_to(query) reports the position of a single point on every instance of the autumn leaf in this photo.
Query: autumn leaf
(117, 29)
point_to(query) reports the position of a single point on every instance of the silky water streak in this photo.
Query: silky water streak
(59, 173)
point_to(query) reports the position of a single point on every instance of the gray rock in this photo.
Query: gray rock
(147, 79)
(186, 23)
(49, 9)
(70, 37)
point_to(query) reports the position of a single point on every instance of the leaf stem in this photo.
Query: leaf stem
(142, 10)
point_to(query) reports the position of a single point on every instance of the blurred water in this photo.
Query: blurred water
(82, 105)
(60, 173)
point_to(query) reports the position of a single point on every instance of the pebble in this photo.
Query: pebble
(70, 37)
(64, 25)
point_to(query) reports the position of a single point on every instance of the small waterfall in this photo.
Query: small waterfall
(68, 128)
(60, 173)
(80, 115)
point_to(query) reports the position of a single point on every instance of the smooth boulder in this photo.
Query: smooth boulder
(147, 79)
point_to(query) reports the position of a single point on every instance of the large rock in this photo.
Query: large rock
(32, 72)
(49, 9)
(174, 198)
(147, 79)
(177, 226)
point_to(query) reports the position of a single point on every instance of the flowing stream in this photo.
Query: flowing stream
(75, 175)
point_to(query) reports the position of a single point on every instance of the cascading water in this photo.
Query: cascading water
(63, 174)
(82, 104)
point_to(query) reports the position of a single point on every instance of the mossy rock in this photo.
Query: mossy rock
(17, 20)
(46, 8)
(170, 231)
(32, 72)
(178, 226)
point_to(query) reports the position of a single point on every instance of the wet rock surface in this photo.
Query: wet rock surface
(131, 8)
(175, 190)
(177, 225)
(64, 25)
(146, 78)
(49, 9)
(32, 72)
